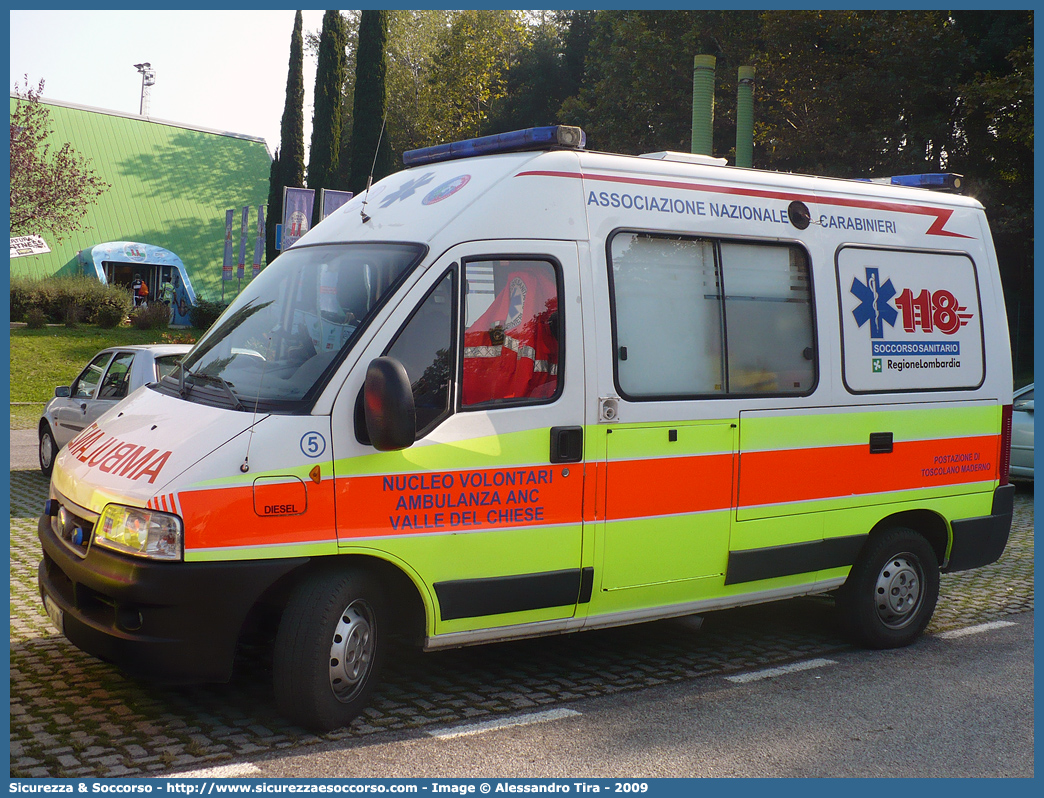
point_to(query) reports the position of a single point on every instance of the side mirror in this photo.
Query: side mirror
(62, 392)
(391, 418)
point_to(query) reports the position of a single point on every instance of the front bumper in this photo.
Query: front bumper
(981, 541)
(168, 621)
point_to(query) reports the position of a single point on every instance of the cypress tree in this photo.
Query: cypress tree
(275, 204)
(370, 102)
(288, 166)
(323, 155)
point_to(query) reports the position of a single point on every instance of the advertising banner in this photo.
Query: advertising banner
(330, 200)
(259, 243)
(28, 245)
(297, 214)
(226, 263)
(910, 320)
(243, 242)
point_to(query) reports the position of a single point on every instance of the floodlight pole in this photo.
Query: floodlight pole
(148, 78)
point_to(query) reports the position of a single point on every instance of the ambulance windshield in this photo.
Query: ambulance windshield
(284, 334)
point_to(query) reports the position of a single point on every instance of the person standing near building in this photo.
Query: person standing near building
(141, 292)
(166, 293)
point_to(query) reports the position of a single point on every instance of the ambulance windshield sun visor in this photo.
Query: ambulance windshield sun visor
(285, 333)
(534, 138)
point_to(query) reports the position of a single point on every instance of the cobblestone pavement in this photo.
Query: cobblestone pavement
(74, 716)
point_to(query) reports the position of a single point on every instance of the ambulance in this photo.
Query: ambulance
(521, 388)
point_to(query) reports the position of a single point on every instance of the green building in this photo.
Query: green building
(164, 217)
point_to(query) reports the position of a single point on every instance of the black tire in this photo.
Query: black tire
(47, 450)
(329, 648)
(891, 592)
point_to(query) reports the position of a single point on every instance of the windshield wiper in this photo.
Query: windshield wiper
(187, 389)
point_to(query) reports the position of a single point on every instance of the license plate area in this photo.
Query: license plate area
(55, 613)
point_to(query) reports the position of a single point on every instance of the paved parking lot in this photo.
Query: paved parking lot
(74, 716)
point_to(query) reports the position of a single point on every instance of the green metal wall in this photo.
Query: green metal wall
(171, 187)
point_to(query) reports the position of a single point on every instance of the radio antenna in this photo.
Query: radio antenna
(250, 439)
(369, 180)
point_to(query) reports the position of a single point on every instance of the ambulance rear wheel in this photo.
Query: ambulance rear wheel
(329, 649)
(891, 592)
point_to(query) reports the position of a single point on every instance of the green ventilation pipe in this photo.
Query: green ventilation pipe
(745, 117)
(703, 105)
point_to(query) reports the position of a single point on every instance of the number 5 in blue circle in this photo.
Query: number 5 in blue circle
(313, 444)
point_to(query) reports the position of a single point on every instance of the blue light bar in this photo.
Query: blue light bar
(944, 181)
(937, 181)
(534, 138)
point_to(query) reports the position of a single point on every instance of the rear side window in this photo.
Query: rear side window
(117, 378)
(89, 378)
(696, 317)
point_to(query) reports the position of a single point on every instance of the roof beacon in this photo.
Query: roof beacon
(939, 181)
(534, 138)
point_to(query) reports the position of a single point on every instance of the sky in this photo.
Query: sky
(222, 70)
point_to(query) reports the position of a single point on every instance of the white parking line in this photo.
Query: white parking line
(768, 673)
(502, 723)
(220, 772)
(974, 630)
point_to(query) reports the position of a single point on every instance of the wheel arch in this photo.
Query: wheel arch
(408, 600)
(930, 525)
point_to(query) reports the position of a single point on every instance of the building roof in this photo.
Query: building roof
(171, 185)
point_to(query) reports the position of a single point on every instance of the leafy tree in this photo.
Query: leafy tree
(288, 166)
(370, 147)
(637, 90)
(51, 188)
(468, 71)
(535, 85)
(324, 153)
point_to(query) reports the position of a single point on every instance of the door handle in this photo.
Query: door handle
(567, 444)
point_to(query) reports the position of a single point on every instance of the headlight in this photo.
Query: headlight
(144, 533)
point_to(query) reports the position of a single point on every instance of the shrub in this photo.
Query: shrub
(154, 317)
(35, 319)
(56, 295)
(72, 314)
(109, 316)
(203, 314)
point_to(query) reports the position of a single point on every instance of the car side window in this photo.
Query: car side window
(513, 338)
(117, 379)
(424, 346)
(167, 365)
(83, 387)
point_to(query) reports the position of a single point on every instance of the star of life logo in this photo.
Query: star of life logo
(516, 303)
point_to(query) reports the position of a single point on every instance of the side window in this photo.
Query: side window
(167, 365)
(513, 333)
(84, 385)
(117, 378)
(667, 308)
(768, 312)
(700, 317)
(424, 346)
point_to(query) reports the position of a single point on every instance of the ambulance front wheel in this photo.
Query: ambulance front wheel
(890, 594)
(329, 648)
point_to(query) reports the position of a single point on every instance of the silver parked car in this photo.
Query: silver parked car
(110, 376)
(1022, 433)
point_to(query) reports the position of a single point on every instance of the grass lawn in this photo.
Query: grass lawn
(43, 359)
